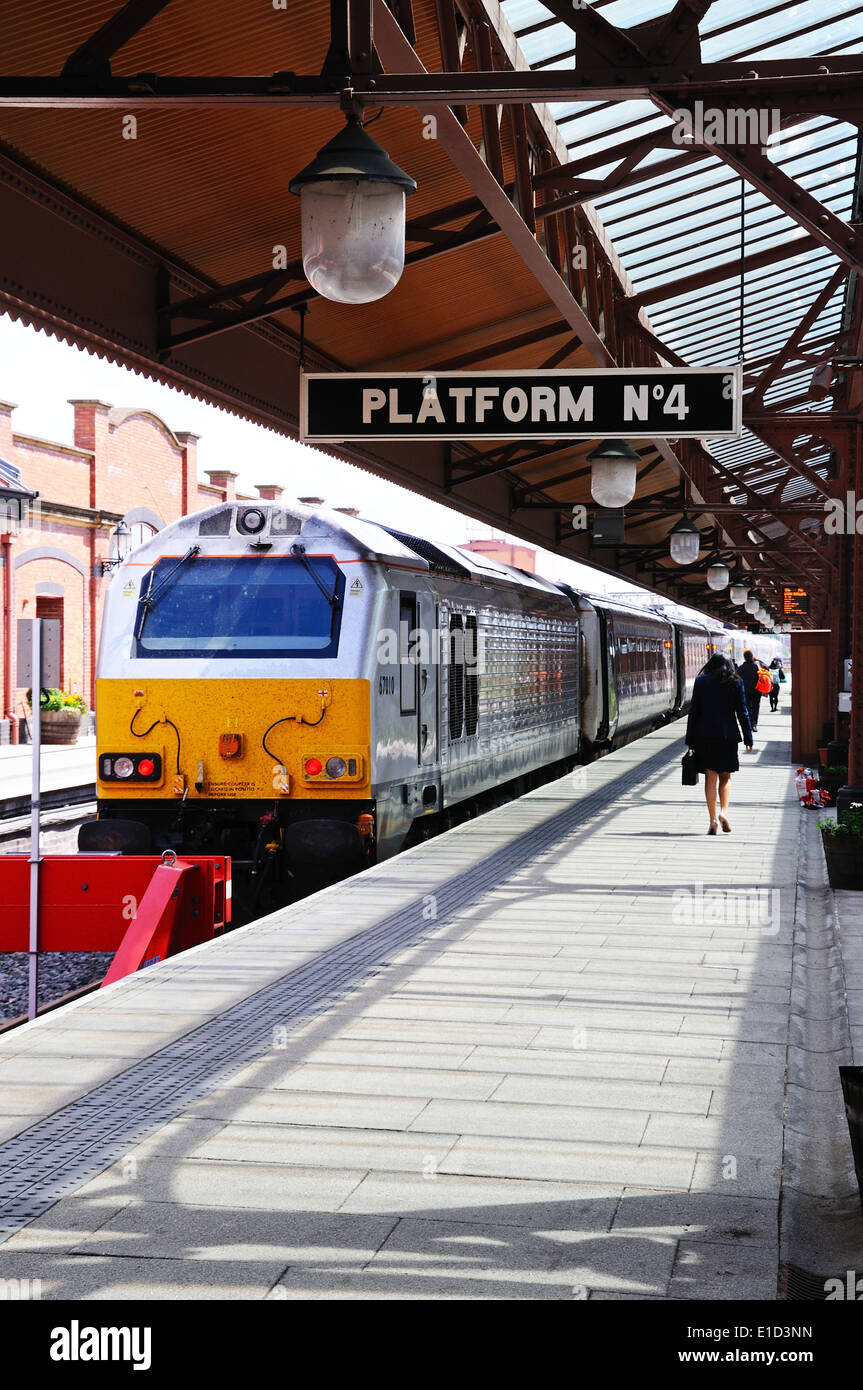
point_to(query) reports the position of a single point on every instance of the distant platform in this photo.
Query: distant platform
(68, 775)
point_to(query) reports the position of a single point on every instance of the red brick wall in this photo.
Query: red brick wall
(121, 461)
(58, 475)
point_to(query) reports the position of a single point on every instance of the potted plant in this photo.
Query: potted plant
(843, 847)
(61, 712)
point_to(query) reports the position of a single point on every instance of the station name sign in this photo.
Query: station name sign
(676, 403)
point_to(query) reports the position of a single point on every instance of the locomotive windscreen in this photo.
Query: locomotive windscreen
(241, 606)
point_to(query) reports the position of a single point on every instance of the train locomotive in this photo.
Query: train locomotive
(309, 691)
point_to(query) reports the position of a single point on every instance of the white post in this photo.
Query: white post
(35, 812)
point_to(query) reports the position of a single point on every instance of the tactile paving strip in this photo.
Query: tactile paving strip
(54, 1157)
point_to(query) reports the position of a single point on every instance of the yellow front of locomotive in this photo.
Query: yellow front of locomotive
(177, 739)
(233, 696)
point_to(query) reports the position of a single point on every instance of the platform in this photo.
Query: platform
(68, 774)
(546, 1055)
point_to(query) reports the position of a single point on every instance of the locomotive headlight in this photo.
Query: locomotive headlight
(123, 767)
(251, 521)
(336, 767)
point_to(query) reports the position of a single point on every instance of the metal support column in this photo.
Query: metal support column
(855, 746)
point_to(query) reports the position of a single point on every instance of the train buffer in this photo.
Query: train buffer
(144, 908)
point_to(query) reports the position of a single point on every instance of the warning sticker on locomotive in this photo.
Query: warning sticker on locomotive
(245, 788)
(649, 402)
(356, 587)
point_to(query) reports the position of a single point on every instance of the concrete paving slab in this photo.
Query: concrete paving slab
(385, 1081)
(380, 1283)
(284, 1238)
(543, 1205)
(256, 1187)
(612, 1094)
(262, 1106)
(691, 1216)
(722, 1272)
(332, 1148)
(526, 1121)
(476, 1251)
(560, 1161)
(96, 1278)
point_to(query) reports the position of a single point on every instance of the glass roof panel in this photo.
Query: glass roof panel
(684, 221)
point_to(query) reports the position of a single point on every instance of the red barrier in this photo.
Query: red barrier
(143, 908)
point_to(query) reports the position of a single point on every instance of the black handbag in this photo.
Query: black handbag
(689, 769)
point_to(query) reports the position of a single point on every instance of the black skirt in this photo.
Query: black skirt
(716, 755)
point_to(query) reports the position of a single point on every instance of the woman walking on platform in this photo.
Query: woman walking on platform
(717, 717)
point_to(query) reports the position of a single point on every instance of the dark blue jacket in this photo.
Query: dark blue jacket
(718, 710)
(748, 673)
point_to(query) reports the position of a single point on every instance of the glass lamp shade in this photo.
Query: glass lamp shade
(352, 211)
(612, 481)
(751, 604)
(353, 239)
(120, 546)
(685, 542)
(717, 575)
(738, 593)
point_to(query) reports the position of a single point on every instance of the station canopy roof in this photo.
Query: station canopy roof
(143, 214)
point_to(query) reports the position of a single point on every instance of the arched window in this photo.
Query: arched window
(139, 532)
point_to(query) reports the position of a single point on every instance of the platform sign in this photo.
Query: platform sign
(795, 603)
(600, 403)
(51, 655)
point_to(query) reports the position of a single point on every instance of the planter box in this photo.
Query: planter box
(60, 727)
(844, 855)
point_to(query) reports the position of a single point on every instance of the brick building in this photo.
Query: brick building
(507, 552)
(124, 465)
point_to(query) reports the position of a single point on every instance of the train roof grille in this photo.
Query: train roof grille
(437, 559)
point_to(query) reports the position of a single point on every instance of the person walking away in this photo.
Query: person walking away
(718, 718)
(748, 673)
(774, 689)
